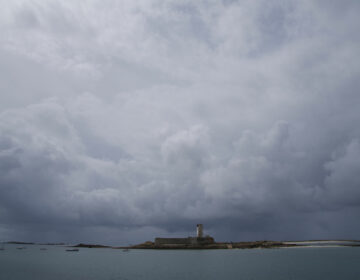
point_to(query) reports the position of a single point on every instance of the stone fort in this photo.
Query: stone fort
(198, 240)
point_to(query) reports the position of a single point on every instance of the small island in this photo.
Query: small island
(206, 242)
(203, 242)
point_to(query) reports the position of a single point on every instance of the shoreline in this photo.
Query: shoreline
(234, 245)
(149, 245)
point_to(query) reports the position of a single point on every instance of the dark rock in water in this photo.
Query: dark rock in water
(82, 245)
(183, 243)
(72, 250)
(20, 243)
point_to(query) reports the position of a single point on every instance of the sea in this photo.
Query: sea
(55, 263)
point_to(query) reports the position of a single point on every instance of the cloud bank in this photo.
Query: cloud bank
(124, 120)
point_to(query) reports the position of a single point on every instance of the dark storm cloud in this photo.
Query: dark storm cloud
(242, 115)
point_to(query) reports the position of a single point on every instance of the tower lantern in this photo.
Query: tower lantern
(199, 230)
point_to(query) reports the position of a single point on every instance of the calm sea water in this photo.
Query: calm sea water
(88, 264)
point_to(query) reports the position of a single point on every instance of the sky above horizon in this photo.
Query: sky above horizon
(125, 120)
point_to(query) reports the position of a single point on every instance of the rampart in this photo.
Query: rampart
(184, 241)
(172, 241)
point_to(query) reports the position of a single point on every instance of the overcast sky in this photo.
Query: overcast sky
(125, 120)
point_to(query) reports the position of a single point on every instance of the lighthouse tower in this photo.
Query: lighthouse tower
(199, 230)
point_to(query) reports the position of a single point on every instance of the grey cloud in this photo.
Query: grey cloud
(342, 179)
(123, 121)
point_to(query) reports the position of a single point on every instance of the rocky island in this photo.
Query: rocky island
(207, 242)
(215, 245)
(203, 242)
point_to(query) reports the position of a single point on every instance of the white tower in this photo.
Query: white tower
(199, 230)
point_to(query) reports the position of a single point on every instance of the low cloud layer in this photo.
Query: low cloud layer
(122, 121)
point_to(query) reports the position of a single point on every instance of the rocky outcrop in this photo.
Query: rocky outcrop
(215, 245)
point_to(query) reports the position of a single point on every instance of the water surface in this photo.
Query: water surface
(90, 264)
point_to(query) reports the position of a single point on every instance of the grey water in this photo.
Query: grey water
(56, 263)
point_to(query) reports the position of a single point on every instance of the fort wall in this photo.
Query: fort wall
(172, 241)
(184, 241)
